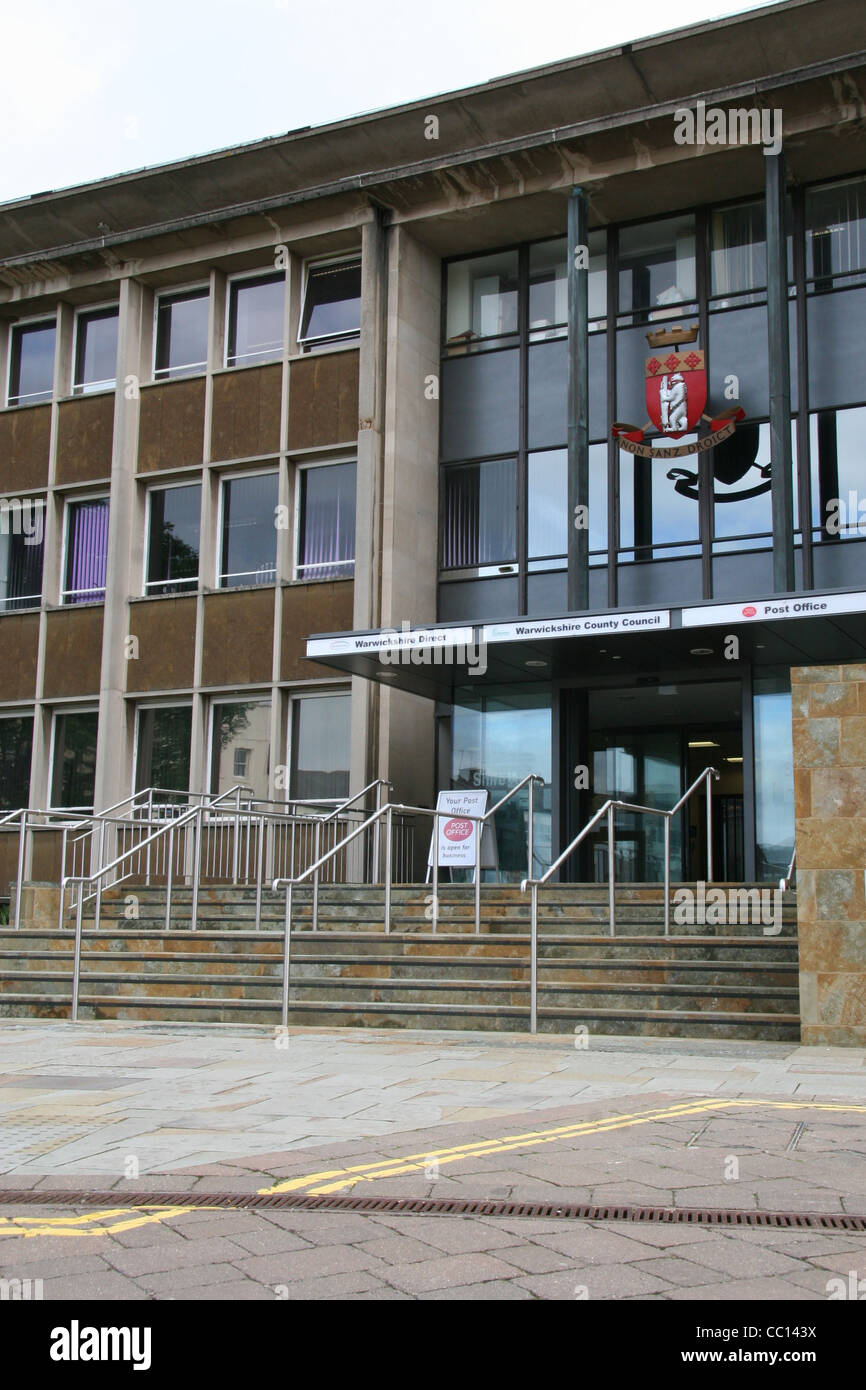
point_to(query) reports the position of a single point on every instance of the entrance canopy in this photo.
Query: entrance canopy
(794, 630)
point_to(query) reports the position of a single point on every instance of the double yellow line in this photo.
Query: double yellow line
(331, 1180)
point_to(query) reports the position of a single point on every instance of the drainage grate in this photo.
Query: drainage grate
(435, 1206)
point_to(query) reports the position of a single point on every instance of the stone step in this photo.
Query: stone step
(624, 1019)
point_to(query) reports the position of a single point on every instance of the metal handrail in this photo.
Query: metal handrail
(609, 810)
(785, 883)
(387, 811)
(168, 829)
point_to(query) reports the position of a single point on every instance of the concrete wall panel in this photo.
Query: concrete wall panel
(19, 642)
(24, 443)
(323, 400)
(171, 428)
(238, 637)
(165, 629)
(246, 412)
(85, 439)
(73, 651)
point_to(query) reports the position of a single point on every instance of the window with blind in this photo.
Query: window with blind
(332, 304)
(479, 522)
(326, 522)
(86, 550)
(21, 552)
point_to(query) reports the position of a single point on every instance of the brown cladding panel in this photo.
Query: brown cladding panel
(24, 441)
(165, 629)
(309, 608)
(84, 439)
(73, 651)
(47, 852)
(246, 412)
(171, 424)
(19, 644)
(238, 637)
(8, 859)
(323, 400)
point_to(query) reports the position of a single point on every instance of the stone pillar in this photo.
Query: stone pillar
(829, 717)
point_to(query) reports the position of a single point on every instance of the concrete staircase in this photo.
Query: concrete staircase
(730, 981)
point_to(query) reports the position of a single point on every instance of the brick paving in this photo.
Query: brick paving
(659, 1122)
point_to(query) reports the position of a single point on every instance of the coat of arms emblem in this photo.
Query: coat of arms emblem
(676, 397)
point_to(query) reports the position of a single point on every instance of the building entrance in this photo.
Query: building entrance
(646, 744)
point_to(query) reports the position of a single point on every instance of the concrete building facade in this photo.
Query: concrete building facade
(268, 407)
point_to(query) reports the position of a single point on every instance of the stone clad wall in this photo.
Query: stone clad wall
(829, 716)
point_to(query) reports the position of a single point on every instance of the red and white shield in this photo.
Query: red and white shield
(676, 390)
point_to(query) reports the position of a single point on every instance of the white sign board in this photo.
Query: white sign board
(457, 837)
(770, 609)
(595, 625)
(388, 641)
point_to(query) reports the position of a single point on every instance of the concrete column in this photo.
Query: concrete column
(410, 500)
(364, 752)
(114, 753)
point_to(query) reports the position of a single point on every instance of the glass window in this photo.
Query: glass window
(657, 268)
(242, 726)
(497, 739)
(548, 286)
(480, 514)
(21, 550)
(320, 748)
(31, 365)
(16, 746)
(249, 545)
(547, 508)
(256, 320)
(181, 333)
(162, 753)
(173, 545)
(482, 300)
(838, 504)
(74, 763)
(835, 230)
(741, 463)
(774, 776)
(332, 303)
(86, 550)
(659, 506)
(326, 521)
(738, 249)
(95, 351)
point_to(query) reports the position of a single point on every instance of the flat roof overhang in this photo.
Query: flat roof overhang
(435, 660)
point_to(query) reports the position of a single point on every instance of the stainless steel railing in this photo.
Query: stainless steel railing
(387, 813)
(608, 811)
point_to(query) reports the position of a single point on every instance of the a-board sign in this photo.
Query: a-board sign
(457, 837)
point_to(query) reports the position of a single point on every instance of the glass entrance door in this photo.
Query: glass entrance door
(646, 744)
(643, 768)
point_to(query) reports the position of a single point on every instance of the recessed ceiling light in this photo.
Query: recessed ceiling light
(733, 760)
(702, 743)
(701, 651)
(535, 663)
(616, 658)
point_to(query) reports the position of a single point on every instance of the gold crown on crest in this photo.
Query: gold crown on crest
(669, 337)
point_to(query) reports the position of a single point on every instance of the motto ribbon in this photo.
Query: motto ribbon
(721, 426)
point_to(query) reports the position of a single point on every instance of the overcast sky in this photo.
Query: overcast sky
(103, 86)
